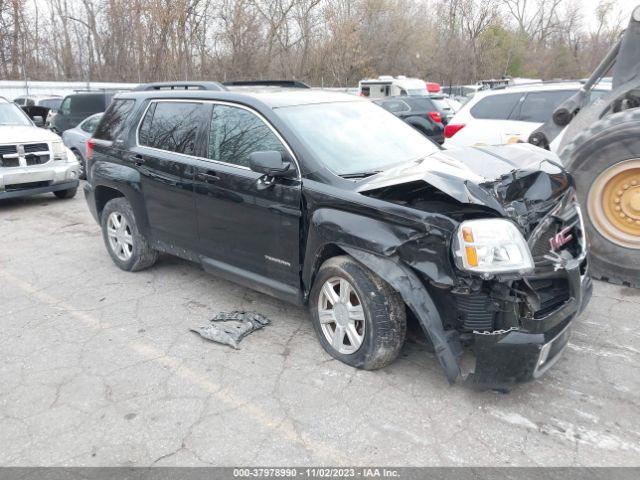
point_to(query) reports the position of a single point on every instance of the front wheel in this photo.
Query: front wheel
(358, 318)
(66, 194)
(128, 249)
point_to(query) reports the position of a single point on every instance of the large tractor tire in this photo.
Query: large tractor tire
(605, 163)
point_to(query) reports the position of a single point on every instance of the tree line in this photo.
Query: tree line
(333, 43)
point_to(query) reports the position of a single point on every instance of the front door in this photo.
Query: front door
(246, 226)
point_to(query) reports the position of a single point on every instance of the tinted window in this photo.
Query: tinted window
(421, 104)
(365, 91)
(113, 121)
(496, 107)
(87, 103)
(394, 106)
(539, 106)
(19, 101)
(172, 126)
(235, 133)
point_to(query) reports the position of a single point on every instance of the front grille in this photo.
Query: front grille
(25, 186)
(36, 147)
(34, 154)
(476, 312)
(9, 162)
(8, 149)
(36, 159)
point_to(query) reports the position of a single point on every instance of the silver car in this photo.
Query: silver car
(76, 139)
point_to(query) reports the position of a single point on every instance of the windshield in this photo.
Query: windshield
(11, 114)
(355, 137)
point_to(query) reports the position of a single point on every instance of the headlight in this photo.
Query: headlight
(58, 150)
(491, 245)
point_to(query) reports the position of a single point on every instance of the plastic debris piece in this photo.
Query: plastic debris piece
(230, 328)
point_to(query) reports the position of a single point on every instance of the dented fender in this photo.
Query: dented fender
(416, 297)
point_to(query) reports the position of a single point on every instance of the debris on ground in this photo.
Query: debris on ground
(230, 328)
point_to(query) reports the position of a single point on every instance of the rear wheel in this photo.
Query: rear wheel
(605, 163)
(129, 250)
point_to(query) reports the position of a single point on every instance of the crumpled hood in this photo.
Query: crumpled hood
(12, 134)
(515, 180)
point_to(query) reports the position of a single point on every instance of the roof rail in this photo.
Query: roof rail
(266, 83)
(528, 84)
(179, 86)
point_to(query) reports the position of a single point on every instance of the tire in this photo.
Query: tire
(610, 145)
(83, 166)
(384, 326)
(66, 194)
(139, 254)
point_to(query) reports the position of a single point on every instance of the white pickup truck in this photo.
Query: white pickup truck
(33, 160)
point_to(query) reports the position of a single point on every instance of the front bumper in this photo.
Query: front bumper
(518, 355)
(52, 176)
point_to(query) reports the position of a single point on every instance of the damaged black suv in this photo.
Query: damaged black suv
(328, 200)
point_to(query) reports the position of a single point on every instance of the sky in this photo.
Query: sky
(625, 6)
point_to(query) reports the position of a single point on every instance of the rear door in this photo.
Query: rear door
(488, 119)
(169, 139)
(534, 109)
(246, 227)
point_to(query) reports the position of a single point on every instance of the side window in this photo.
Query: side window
(65, 107)
(496, 107)
(235, 133)
(19, 101)
(172, 126)
(113, 121)
(366, 91)
(539, 106)
(30, 102)
(395, 106)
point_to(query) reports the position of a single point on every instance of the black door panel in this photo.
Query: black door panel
(247, 225)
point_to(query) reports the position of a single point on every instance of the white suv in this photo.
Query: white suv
(33, 160)
(495, 117)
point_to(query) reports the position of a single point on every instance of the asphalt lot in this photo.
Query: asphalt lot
(97, 367)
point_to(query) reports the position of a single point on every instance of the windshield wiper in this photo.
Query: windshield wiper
(361, 174)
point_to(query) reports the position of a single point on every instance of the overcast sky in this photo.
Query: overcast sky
(624, 6)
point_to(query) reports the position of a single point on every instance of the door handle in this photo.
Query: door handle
(209, 177)
(137, 159)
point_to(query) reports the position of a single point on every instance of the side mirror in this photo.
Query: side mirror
(270, 163)
(38, 121)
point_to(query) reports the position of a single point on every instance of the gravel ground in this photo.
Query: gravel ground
(98, 367)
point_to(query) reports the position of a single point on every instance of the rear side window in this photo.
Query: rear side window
(496, 107)
(236, 133)
(172, 126)
(114, 119)
(52, 103)
(87, 103)
(539, 106)
(421, 104)
(395, 106)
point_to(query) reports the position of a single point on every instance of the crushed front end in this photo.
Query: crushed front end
(515, 310)
(519, 325)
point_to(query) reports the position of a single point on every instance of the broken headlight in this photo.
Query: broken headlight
(58, 150)
(492, 245)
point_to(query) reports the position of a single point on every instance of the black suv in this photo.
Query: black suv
(328, 200)
(420, 112)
